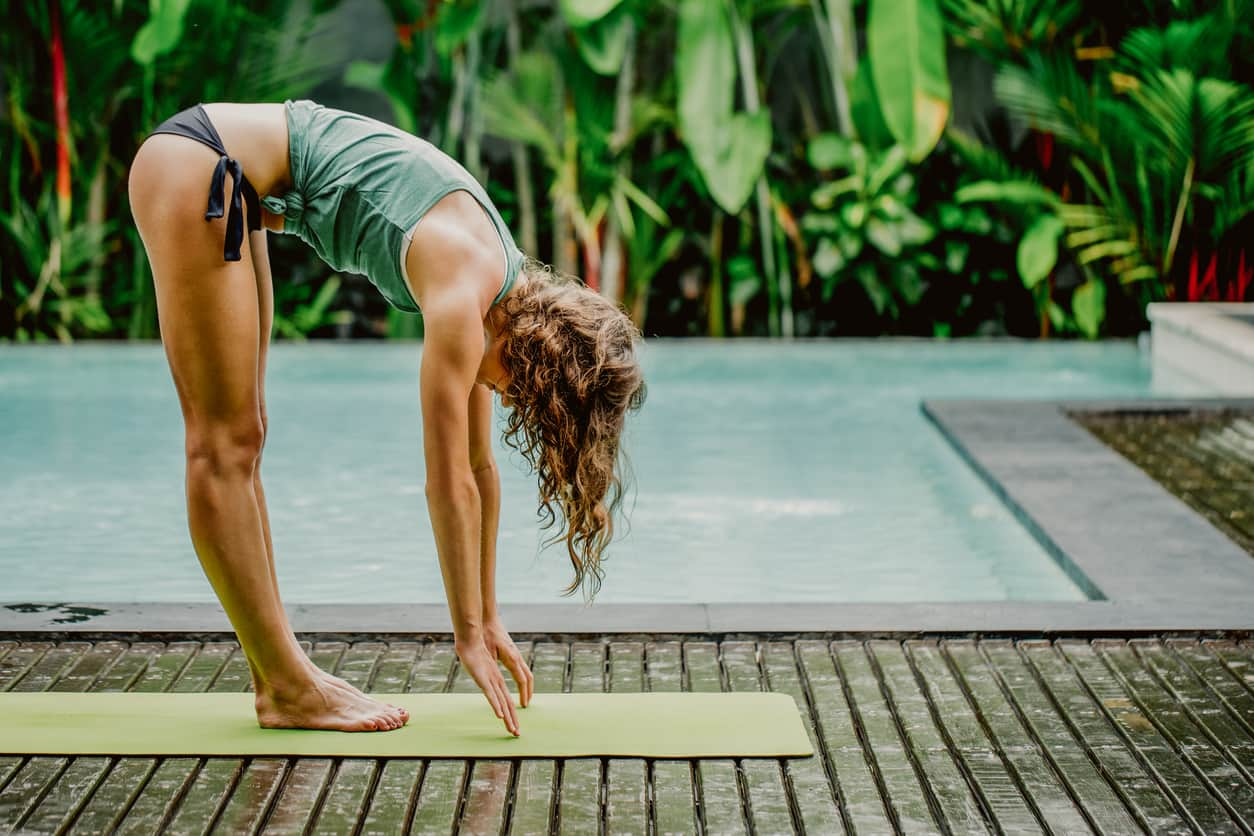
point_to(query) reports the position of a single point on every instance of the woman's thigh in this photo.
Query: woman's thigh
(208, 309)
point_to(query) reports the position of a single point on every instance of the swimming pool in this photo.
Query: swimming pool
(765, 472)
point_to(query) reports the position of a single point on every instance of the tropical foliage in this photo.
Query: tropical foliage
(791, 167)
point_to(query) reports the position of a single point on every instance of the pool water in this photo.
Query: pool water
(764, 472)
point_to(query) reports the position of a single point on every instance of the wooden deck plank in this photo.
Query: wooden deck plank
(579, 799)
(393, 797)
(1139, 789)
(1238, 657)
(1035, 775)
(1150, 734)
(957, 805)
(1199, 702)
(297, 800)
(38, 776)
(626, 779)
(811, 789)
(191, 791)
(396, 667)
(907, 799)
(1223, 777)
(674, 806)
(718, 788)
(1170, 770)
(487, 794)
(534, 787)
(1104, 807)
(1230, 691)
(113, 796)
(345, 800)
(121, 787)
(440, 790)
(357, 665)
(254, 793)
(859, 796)
(766, 792)
(15, 663)
(83, 774)
(439, 797)
(125, 673)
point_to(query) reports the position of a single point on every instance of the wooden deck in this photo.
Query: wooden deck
(1204, 458)
(949, 736)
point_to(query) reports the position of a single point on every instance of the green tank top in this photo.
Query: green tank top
(358, 185)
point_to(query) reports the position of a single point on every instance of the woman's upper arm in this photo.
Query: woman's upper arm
(452, 349)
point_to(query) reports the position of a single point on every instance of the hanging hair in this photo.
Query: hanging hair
(573, 375)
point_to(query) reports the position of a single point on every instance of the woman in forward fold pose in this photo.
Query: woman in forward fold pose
(355, 189)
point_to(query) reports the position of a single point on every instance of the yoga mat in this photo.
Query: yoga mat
(653, 725)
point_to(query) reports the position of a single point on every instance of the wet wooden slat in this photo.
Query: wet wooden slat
(488, 790)
(253, 795)
(811, 791)
(15, 663)
(1171, 772)
(198, 787)
(721, 808)
(674, 809)
(1001, 795)
(534, 786)
(396, 667)
(626, 779)
(37, 776)
(1224, 778)
(294, 808)
(1105, 809)
(1118, 763)
(440, 793)
(1050, 798)
(905, 796)
(345, 800)
(1201, 659)
(958, 806)
(579, 801)
(1199, 702)
(114, 797)
(82, 774)
(858, 793)
(764, 780)
(439, 797)
(393, 797)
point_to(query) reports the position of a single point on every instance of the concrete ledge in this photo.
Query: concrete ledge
(1213, 342)
(205, 621)
(1143, 550)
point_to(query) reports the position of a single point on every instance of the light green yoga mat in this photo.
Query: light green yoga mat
(654, 725)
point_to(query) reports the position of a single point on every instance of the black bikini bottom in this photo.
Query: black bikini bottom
(194, 123)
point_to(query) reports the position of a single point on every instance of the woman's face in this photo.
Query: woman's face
(492, 374)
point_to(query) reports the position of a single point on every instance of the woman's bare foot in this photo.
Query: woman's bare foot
(335, 682)
(317, 704)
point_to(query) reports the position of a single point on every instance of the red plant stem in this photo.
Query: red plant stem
(60, 99)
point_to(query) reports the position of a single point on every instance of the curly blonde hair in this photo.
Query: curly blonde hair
(573, 375)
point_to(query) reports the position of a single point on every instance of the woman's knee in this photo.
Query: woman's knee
(225, 448)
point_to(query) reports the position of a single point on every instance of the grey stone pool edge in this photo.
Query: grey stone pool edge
(1148, 562)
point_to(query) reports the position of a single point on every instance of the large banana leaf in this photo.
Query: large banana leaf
(729, 148)
(906, 44)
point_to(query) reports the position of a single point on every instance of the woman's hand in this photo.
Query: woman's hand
(481, 664)
(502, 647)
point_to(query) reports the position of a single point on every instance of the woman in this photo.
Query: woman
(377, 200)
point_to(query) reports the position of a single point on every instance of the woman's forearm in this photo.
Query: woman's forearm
(488, 480)
(454, 505)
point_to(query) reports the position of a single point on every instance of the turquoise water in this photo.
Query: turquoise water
(765, 472)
